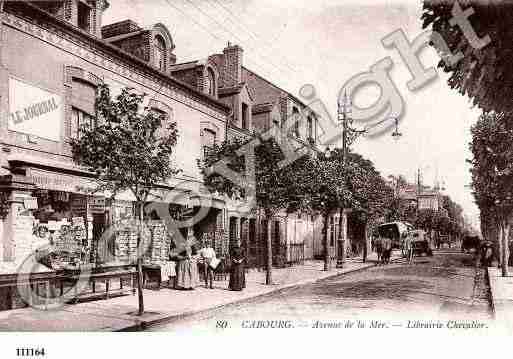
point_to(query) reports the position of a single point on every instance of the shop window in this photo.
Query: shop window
(160, 52)
(245, 116)
(84, 16)
(79, 121)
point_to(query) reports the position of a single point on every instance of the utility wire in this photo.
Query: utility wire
(272, 48)
(254, 35)
(204, 28)
(234, 35)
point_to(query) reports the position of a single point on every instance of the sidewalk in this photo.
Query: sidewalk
(501, 289)
(166, 305)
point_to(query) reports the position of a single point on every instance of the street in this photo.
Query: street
(445, 286)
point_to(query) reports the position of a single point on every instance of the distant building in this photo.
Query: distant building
(429, 199)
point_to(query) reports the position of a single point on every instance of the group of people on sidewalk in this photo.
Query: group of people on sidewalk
(190, 262)
(383, 248)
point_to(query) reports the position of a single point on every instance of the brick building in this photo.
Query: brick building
(257, 105)
(53, 54)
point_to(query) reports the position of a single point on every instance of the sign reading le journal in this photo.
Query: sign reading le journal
(34, 111)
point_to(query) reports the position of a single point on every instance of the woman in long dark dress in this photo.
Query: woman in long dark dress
(237, 274)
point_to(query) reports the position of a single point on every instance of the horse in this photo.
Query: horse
(386, 250)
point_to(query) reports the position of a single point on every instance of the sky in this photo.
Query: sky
(325, 43)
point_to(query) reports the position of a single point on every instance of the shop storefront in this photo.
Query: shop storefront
(55, 207)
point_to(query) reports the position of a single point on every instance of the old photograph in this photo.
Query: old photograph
(207, 166)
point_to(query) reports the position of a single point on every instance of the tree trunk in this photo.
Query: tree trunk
(325, 242)
(366, 243)
(139, 260)
(505, 248)
(269, 272)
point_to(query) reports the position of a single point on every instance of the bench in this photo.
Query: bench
(48, 284)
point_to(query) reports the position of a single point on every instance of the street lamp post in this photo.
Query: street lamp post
(343, 111)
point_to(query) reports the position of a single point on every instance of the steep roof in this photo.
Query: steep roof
(264, 90)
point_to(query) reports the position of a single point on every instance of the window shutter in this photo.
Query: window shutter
(84, 97)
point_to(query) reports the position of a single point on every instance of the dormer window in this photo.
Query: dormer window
(210, 83)
(84, 16)
(160, 52)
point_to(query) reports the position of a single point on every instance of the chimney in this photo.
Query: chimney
(232, 68)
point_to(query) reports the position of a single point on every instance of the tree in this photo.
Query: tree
(272, 187)
(492, 175)
(324, 188)
(371, 194)
(128, 149)
(484, 71)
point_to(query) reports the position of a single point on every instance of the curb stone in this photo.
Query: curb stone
(165, 319)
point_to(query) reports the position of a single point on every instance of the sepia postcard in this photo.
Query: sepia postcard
(203, 167)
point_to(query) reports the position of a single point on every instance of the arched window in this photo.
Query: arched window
(160, 52)
(210, 83)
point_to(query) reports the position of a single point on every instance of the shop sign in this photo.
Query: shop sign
(57, 182)
(97, 205)
(34, 111)
(30, 203)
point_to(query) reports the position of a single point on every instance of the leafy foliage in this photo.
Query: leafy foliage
(272, 183)
(128, 149)
(492, 177)
(492, 164)
(482, 73)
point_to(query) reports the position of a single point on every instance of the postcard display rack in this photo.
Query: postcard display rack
(60, 219)
(156, 242)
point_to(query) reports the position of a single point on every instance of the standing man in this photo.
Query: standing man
(408, 246)
(208, 254)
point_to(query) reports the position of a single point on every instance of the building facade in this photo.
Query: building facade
(53, 55)
(257, 105)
